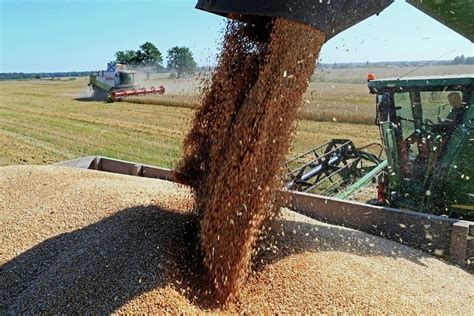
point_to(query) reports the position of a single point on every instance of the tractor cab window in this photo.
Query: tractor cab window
(422, 112)
(442, 107)
(407, 106)
(403, 106)
(425, 121)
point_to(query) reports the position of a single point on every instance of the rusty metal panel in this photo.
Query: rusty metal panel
(83, 163)
(458, 253)
(117, 166)
(427, 232)
(470, 256)
(470, 249)
(159, 173)
(134, 169)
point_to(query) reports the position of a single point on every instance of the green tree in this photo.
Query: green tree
(181, 59)
(148, 56)
(128, 57)
(459, 60)
(469, 61)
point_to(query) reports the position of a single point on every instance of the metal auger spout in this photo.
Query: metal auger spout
(331, 17)
(334, 16)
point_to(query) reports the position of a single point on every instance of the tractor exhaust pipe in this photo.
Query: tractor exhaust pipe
(330, 17)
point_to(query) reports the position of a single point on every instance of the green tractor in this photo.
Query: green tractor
(427, 129)
(427, 133)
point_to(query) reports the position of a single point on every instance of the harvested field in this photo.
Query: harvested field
(80, 241)
(55, 125)
(56, 120)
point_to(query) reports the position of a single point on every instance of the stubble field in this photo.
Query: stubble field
(45, 121)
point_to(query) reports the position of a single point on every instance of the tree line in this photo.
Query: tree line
(458, 60)
(149, 58)
(180, 59)
(43, 75)
(461, 60)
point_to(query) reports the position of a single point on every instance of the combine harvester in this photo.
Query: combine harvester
(117, 83)
(426, 126)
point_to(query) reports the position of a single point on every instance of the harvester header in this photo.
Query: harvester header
(118, 95)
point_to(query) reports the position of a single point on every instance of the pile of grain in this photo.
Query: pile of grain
(240, 137)
(85, 242)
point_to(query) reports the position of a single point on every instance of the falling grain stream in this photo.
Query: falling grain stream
(240, 136)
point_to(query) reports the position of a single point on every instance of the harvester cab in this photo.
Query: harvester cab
(426, 126)
(117, 76)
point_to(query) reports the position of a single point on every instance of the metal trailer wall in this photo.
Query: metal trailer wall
(444, 237)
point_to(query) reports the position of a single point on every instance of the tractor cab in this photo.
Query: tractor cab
(427, 129)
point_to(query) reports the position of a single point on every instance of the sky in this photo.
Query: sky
(83, 35)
